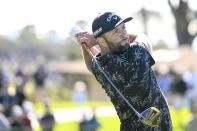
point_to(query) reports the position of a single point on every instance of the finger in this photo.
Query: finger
(84, 40)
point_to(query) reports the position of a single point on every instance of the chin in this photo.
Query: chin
(123, 48)
(127, 45)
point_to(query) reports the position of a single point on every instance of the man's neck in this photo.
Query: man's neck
(103, 53)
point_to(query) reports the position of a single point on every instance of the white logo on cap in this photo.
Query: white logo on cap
(111, 16)
(97, 32)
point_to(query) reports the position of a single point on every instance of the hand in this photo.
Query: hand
(132, 38)
(87, 38)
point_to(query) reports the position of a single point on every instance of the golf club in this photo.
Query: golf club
(151, 116)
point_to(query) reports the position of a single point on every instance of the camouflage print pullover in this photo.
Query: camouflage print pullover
(131, 72)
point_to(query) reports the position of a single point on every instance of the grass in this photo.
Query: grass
(59, 105)
(70, 126)
(180, 117)
(107, 124)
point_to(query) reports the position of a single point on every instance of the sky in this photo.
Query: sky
(62, 15)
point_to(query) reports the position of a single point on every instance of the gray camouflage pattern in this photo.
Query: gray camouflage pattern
(131, 72)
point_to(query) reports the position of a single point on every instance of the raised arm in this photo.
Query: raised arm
(87, 57)
(91, 42)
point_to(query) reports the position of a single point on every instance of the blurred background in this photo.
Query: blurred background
(44, 84)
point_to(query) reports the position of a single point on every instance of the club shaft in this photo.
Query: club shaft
(106, 76)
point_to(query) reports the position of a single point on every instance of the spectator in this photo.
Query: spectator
(21, 80)
(179, 85)
(79, 93)
(89, 124)
(30, 114)
(47, 122)
(179, 89)
(40, 76)
(3, 83)
(4, 123)
(192, 124)
(165, 82)
(191, 80)
(5, 98)
(20, 121)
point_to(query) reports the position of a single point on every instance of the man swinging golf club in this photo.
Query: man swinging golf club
(123, 68)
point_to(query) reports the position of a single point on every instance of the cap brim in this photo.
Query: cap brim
(124, 21)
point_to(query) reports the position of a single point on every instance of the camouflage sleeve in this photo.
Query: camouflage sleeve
(141, 55)
(140, 59)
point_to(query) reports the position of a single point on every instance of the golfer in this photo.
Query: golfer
(128, 63)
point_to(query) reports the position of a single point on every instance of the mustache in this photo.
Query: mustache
(126, 38)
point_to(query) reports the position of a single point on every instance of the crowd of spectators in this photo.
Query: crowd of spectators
(16, 110)
(180, 89)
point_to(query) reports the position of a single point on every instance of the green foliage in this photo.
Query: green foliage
(73, 50)
(73, 53)
(6, 47)
(31, 45)
(28, 36)
(28, 45)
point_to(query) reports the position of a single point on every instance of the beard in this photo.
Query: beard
(117, 47)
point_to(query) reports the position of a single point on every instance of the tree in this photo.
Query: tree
(184, 18)
(145, 16)
(72, 50)
(6, 47)
(30, 45)
(28, 35)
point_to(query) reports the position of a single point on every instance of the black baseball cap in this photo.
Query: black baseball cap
(106, 22)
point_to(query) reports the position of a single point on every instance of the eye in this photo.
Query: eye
(123, 27)
(116, 31)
